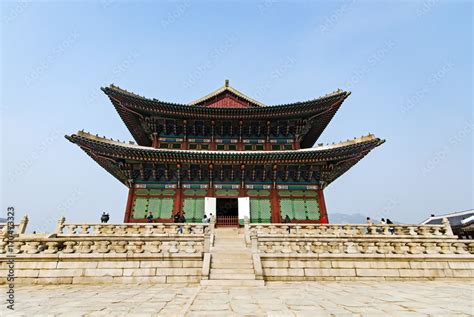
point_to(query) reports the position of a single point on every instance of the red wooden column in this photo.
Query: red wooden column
(274, 202)
(242, 181)
(322, 207)
(240, 144)
(177, 203)
(267, 138)
(128, 208)
(275, 206)
(210, 190)
(184, 145)
(178, 195)
(155, 142)
(212, 146)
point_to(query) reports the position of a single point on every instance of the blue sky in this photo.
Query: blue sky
(408, 65)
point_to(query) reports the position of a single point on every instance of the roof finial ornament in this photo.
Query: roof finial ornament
(226, 83)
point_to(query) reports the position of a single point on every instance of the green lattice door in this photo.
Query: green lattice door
(260, 210)
(194, 209)
(159, 207)
(299, 208)
(140, 206)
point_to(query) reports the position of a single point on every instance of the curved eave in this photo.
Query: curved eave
(149, 107)
(339, 158)
(132, 107)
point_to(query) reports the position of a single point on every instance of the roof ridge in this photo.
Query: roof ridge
(226, 87)
(195, 103)
(334, 93)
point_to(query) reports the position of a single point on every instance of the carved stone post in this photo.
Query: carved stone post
(247, 230)
(59, 226)
(447, 227)
(23, 224)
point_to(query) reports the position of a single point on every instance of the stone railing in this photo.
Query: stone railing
(304, 252)
(165, 239)
(19, 228)
(273, 245)
(131, 229)
(98, 245)
(346, 230)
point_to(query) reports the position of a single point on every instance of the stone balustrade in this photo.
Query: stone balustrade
(130, 229)
(108, 253)
(296, 252)
(181, 244)
(115, 238)
(315, 245)
(347, 230)
(18, 228)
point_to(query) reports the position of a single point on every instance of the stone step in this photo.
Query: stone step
(241, 260)
(231, 240)
(230, 245)
(232, 282)
(230, 249)
(231, 276)
(228, 234)
(223, 258)
(231, 253)
(231, 265)
(247, 270)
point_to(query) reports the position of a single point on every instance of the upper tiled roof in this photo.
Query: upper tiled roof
(132, 108)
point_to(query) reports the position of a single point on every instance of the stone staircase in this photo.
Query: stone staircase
(231, 260)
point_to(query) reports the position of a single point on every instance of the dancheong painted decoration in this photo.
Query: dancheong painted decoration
(225, 154)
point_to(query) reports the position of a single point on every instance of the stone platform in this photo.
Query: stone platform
(249, 256)
(275, 299)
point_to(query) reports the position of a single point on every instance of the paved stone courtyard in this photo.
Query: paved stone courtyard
(275, 299)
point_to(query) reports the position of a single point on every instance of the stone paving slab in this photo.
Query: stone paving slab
(438, 298)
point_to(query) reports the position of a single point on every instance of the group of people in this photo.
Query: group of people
(206, 219)
(382, 222)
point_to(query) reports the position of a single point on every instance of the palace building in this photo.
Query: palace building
(225, 154)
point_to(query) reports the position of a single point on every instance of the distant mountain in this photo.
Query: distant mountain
(338, 218)
(3, 220)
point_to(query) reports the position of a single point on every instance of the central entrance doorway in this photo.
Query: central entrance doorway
(227, 212)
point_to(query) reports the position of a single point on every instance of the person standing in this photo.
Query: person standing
(287, 220)
(176, 218)
(149, 219)
(369, 223)
(391, 229)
